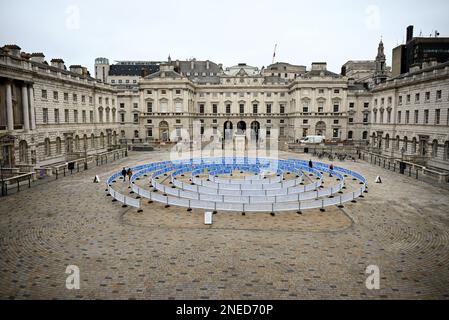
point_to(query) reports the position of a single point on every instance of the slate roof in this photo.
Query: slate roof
(131, 70)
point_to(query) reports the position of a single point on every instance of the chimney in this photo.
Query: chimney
(319, 66)
(143, 72)
(343, 71)
(192, 64)
(58, 63)
(13, 50)
(77, 69)
(38, 57)
(409, 33)
(207, 65)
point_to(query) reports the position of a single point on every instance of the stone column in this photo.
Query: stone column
(32, 111)
(25, 107)
(9, 109)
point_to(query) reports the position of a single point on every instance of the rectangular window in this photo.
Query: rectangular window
(366, 105)
(75, 116)
(269, 108)
(439, 94)
(255, 107)
(336, 121)
(91, 100)
(320, 107)
(45, 115)
(149, 92)
(351, 105)
(202, 108)
(336, 108)
(305, 107)
(135, 105)
(335, 133)
(44, 94)
(426, 116)
(416, 116)
(122, 105)
(399, 116)
(66, 116)
(388, 116)
(178, 107)
(281, 131)
(437, 116)
(56, 115)
(408, 98)
(178, 92)
(149, 107)
(336, 91)
(365, 118)
(242, 108)
(136, 118)
(83, 99)
(164, 107)
(305, 121)
(400, 100)
(351, 120)
(55, 95)
(91, 116)
(228, 108)
(149, 132)
(417, 98)
(66, 97)
(75, 98)
(281, 108)
(122, 117)
(427, 96)
(214, 109)
(84, 116)
(407, 117)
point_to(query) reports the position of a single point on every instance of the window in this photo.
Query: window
(44, 94)
(400, 100)
(202, 108)
(149, 107)
(178, 91)
(407, 117)
(336, 121)
(351, 120)
(321, 91)
(269, 108)
(149, 92)
(282, 108)
(56, 115)
(149, 132)
(178, 121)
(214, 109)
(164, 107)
(426, 116)
(336, 108)
(66, 116)
(91, 100)
(365, 135)
(75, 98)
(388, 116)
(320, 107)
(91, 116)
(399, 116)
(255, 107)
(365, 118)
(83, 99)
(75, 116)
(416, 116)
(408, 98)
(437, 116)
(45, 115)
(47, 147)
(335, 133)
(136, 118)
(439, 94)
(336, 91)
(351, 105)
(305, 121)
(100, 115)
(417, 98)
(66, 97)
(178, 107)
(135, 105)
(136, 134)
(427, 96)
(242, 108)
(163, 91)
(84, 116)
(350, 135)
(122, 117)
(228, 108)
(305, 107)
(366, 105)
(122, 105)
(149, 121)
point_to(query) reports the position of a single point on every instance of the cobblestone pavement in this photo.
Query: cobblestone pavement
(402, 226)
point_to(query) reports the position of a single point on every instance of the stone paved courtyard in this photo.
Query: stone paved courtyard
(402, 226)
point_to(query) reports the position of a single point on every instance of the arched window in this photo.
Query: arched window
(58, 145)
(23, 151)
(405, 143)
(77, 143)
(387, 141)
(434, 148)
(85, 144)
(47, 147)
(365, 135)
(414, 146)
(92, 141)
(398, 142)
(102, 140)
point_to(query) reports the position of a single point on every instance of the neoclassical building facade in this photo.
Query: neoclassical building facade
(49, 114)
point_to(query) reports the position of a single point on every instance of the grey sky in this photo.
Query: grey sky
(225, 32)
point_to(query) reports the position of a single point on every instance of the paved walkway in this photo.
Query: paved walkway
(402, 226)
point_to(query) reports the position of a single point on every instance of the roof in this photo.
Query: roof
(131, 70)
(317, 73)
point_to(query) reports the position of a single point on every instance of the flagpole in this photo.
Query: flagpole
(274, 54)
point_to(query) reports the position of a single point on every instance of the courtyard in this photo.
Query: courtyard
(401, 226)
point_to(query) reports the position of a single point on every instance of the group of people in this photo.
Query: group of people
(331, 167)
(127, 172)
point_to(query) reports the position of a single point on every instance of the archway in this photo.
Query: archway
(320, 128)
(241, 127)
(227, 129)
(164, 134)
(255, 127)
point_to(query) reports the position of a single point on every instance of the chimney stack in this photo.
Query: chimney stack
(38, 57)
(13, 50)
(409, 33)
(58, 63)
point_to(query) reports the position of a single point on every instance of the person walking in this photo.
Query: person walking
(130, 174)
(124, 172)
(310, 164)
(331, 168)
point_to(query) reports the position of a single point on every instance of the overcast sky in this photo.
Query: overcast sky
(227, 32)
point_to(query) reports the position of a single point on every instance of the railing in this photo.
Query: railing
(16, 180)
